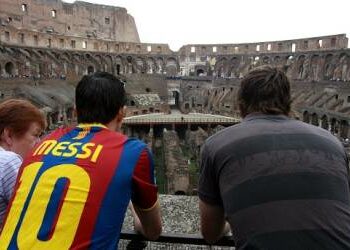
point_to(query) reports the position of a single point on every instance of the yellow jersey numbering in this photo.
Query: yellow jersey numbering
(69, 149)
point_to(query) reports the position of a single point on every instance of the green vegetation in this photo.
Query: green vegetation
(193, 165)
(159, 166)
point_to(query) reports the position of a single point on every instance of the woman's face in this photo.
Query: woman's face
(23, 144)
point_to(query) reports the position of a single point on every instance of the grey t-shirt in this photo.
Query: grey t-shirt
(283, 184)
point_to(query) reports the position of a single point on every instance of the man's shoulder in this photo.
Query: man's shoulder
(224, 136)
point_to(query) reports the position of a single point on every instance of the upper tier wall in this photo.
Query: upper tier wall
(77, 19)
(297, 45)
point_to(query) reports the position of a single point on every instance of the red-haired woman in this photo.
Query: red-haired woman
(21, 124)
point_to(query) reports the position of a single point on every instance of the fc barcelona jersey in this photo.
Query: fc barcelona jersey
(73, 190)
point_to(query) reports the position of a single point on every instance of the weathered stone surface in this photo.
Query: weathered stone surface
(180, 214)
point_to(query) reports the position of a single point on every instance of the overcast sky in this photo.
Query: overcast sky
(181, 22)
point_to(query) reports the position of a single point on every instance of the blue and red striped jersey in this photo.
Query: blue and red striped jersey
(73, 190)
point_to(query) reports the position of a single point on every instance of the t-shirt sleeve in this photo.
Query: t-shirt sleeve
(145, 191)
(208, 186)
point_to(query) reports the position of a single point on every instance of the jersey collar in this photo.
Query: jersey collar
(87, 125)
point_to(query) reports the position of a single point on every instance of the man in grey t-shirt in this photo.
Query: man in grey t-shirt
(278, 182)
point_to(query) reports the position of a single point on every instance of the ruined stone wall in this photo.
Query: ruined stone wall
(52, 42)
(78, 19)
(176, 165)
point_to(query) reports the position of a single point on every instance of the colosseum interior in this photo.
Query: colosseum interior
(47, 46)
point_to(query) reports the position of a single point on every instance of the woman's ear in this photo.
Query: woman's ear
(7, 136)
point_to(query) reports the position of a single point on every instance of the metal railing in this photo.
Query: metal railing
(133, 240)
(176, 120)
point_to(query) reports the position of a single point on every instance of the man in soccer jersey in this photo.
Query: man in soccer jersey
(75, 186)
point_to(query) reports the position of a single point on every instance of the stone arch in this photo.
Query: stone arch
(10, 69)
(200, 72)
(94, 61)
(77, 57)
(344, 129)
(171, 66)
(277, 60)
(314, 67)
(109, 62)
(79, 63)
(68, 63)
(220, 67)
(139, 65)
(288, 66)
(119, 66)
(66, 56)
(90, 69)
(342, 69)
(234, 67)
(328, 68)
(324, 122)
(150, 65)
(265, 60)
(334, 126)
(306, 117)
(97, 60)
(300, 69)
(160, 65)
(130, 65)
(41, 53)
(314, 119)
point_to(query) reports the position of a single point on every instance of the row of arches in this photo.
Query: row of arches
(312, 67)
(51, 63)
(336, 126)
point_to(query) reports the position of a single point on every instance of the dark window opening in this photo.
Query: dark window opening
(62, 43)
(333, 42)
(107, 20)
(7, 36)
(118, 69)
(280, 46)
(21, 38)
(90, 70)
(36, 40)
(9, 68)
(200, 72)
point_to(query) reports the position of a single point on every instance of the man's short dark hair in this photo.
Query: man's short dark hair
(99, 97)
(265, 90)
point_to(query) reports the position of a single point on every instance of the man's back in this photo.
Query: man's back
(283, 184)
(74, 190)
